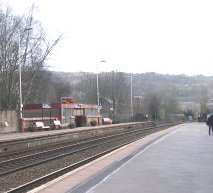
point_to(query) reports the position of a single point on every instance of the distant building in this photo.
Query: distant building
(187, 105)
(210, 106)
(194, 107)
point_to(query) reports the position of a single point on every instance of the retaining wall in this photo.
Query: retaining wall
(8, 121)
(24, 141)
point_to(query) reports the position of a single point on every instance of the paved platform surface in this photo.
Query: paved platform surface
(177, 160)
(6, 137)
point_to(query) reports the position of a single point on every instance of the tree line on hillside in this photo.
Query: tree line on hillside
(160, 96)
(154, 94)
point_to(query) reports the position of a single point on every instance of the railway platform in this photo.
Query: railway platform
(175, 160)
(24, 141)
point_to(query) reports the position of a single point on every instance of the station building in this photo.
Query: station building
(67, 112)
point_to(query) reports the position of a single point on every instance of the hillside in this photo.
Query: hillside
(186, 88)
(156, 94)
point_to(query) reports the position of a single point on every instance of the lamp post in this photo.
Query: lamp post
(98, 93)
(20, 72)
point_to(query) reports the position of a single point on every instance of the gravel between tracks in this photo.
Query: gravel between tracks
(21, 177)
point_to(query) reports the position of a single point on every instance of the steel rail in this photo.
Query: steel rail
(53, 175)
(4, 155)
(21, 162)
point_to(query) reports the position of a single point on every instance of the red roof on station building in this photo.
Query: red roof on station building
(58, 106)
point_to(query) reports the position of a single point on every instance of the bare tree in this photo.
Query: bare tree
(28, 48)
(154, 103)
(115, 95)
(203, 99)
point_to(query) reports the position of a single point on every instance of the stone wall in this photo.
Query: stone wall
(8, 121)
(25, 141)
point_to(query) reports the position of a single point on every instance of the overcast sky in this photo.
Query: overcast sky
(163, 36)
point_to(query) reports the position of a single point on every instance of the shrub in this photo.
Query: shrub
(72, 125)
(93, 123)
(31, 128)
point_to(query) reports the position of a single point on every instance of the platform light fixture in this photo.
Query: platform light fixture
(98, 93)
(20, 72)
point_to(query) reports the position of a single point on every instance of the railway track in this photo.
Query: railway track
(13, 165)
(111, 142)
(33, 150)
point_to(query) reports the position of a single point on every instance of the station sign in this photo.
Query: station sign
(46, 106)
(67, 100)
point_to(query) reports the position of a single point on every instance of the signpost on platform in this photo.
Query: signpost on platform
(65, 101)
(46, 106)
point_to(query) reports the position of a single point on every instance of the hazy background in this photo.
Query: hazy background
(133, 36)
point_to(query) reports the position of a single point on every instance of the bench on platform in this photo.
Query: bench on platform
(57, 124)
(40, 126)
(4, 124)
